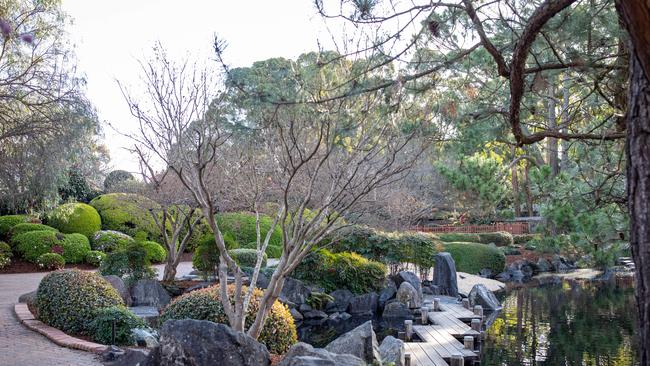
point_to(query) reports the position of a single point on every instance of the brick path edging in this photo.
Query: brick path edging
(27, 319)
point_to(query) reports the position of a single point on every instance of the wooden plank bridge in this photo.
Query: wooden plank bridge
(449, 333)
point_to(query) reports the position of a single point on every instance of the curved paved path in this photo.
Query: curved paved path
(20, 346)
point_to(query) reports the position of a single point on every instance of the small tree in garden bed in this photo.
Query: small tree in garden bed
(236, 149)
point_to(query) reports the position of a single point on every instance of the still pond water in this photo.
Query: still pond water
(561, 324)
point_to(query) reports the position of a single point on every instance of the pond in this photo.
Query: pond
(563, 324)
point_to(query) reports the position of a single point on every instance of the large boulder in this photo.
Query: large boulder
(191, 342)
(303, 354)
(480, 295)
(365, 304)
(360, 341)
(295, 291)
(341, 301)
(392, 351)
(409, 296)
(119, 285)
(396, 312)
(444, 274)
(150, 292)
(387, 293)
(410, 277)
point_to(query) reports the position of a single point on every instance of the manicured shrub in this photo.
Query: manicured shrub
(28, 226)
(242, 228)
(5, 249)
(473, 257)
(101, 327)
(50, 261)
(131, 264)
(246, 257)
(333, 271)
(206, 255)
(524, 238)
(462, 237)
(33, 244)
(278, 333)
(109, 241)
(68, 300)
(155, 252)
(75, 218)
(128, 213)
(510, 250)
(5, 260)
(95, 258)
(499, 238)
(9, 221)
(75, 247)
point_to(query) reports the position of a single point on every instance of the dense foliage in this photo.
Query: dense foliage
(50, 261)
(127, 213)
(28, 226)
(33, 244)
(9, 221)
(131, 264)
(242, 228)
(464, 237)
(101, 327)
(155, 252)
(68, 299)
(109, 241)
(246, 257)
(473, 257)
(279, 331)
(75, 248)
(206, 255)
(499, 238)
(95, 258)
(75, 218)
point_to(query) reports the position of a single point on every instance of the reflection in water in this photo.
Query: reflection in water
(563, 324)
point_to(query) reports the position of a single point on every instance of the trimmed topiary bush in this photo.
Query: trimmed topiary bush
(75, 248)
(459, 237)
(75, 218)
(246, 257)
(155, 252)
(108, 241)
(50, 261)
(499, 238)
(278, 333)
(206, 256)
(68, 300)
(473, 257)
(9, 221)
(525, 238)
(5, 249)
(333, 271)
(27, 227)
(101, 328)
(128, 213)
(130, 264)
(241, 227)
(33, 244)
(95, 258)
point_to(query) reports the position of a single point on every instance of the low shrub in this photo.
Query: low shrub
(206, 256)
(278, 333)
(510, 250)
(95, 258)
(127, 213)
(27, 227)
(5, 249)
(9, 221)
(75, 218)
(33, 244)
(130, 264)
(109, 241)
(5, 260)
(101, 327)
(473, 257)
(459, 237)
(333, 271)
(241, 226)
(246, 257)
(50, 261)
(75, 248)
(68, 299)
(155, 252)
(498, 238)
(524, 238)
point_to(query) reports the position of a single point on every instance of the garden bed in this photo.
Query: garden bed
(19, 265)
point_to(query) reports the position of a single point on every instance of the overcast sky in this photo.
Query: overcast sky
(110, 36)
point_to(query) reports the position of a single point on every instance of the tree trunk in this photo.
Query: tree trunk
(529, 195)
(170, 270)
(515, 186)
(635, 15)
(552, 155)
(564, 144)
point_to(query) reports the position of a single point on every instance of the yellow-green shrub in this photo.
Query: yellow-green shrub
(28, 226)
(9, 221)
(473, 257)
(155, 252)
(459, 237)
(75, 218)
(127, 213)
(498, 238)
(50, 261)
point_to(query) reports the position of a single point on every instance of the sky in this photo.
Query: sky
(110, 36)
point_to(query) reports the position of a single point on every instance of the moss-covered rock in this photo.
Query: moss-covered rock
(127, 213)
(75, 218)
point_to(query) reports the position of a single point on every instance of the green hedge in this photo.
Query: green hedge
(33, 244)
(498, 238)
(242, 228)
(75, 248)
(341, 270)
(131, 264)
(108, 241)
(75, 218)
(6, 249)
(101, 327)
(68, 300)
(155, 252)
(525, 238)
(473, 257)
(463, 237)
(28, 226)
(246, 257)
(128, 213)
(95, 258)
(51, 261)
(9, 221)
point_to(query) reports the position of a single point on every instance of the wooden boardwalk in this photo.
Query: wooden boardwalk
(442, 338)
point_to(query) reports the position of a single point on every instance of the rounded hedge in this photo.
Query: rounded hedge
(459, 237)
(473, 257)
(498, 238)
(52, 261)
(242, 227)
(75, 218)
(5, 249)
(155, 252)
(108, 241)
(206, 256)
(246, 257)
(33, 244)
(75, 247)
(101, 328)
(95, 258)
(27, 227)
(128, 213)
(524, 238)
(278, 333)
(68, 299)
(9, 221)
